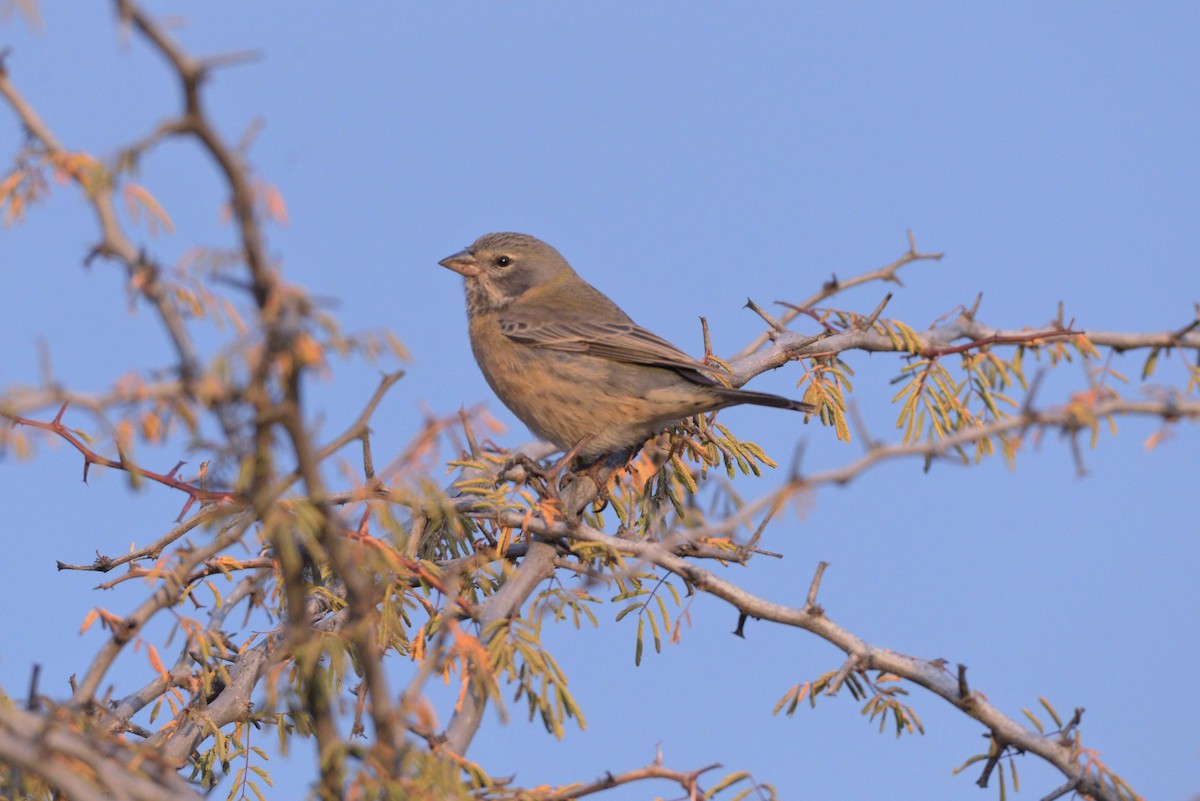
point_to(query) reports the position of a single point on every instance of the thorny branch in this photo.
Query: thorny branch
(350, 605)
(861, 655)
(688, 781)
(144, 275)
(833, 286)
(789, 345)
(90, 457)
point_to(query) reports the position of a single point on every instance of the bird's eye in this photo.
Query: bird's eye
(503, 261)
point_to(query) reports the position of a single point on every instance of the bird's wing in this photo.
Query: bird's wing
(620, 341)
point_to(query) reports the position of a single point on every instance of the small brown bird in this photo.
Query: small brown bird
(568, 362)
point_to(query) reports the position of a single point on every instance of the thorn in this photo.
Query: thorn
(971, 314)
(1075, 720)
(814, 587)
(31, 702)
(1176, 336)
(96, 252)
(776, 326)
(250, 134)
(860, 427)
(750, 546)
(58, 417)
(229, 59)
(1034, 386)
(191, 500)
(1059, 792)
(1081, 470)
(797, 460)
(708, 351)
(740, 631)
(878, 310)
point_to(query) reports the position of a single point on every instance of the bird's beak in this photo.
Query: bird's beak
(462, 262)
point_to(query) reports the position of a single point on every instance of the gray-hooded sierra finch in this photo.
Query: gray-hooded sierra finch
(568, 362)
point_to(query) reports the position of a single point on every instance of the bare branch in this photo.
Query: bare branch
(834, 286)
(687, 781)
(174, 585)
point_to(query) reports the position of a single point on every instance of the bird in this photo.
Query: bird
(569, 363)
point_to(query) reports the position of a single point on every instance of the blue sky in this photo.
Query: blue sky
(684, 157)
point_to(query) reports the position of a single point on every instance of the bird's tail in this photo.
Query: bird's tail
(736, 396)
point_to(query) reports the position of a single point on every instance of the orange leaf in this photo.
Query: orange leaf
(549, 513)
(276, 208)
(156, 663)
(89, 619)
(308, 350)
(137, 198)
(9, 184)
(1156, 438)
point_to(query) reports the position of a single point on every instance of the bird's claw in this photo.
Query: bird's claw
(532, 470)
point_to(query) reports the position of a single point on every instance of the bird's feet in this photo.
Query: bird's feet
(524, 471)
(549, 481)
(601, 471)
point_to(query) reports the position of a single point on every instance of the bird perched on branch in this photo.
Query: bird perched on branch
(569, 363)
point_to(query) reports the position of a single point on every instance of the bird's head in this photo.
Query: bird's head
(500, 268)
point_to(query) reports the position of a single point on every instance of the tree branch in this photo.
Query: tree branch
(864, 656)
(887, 273)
